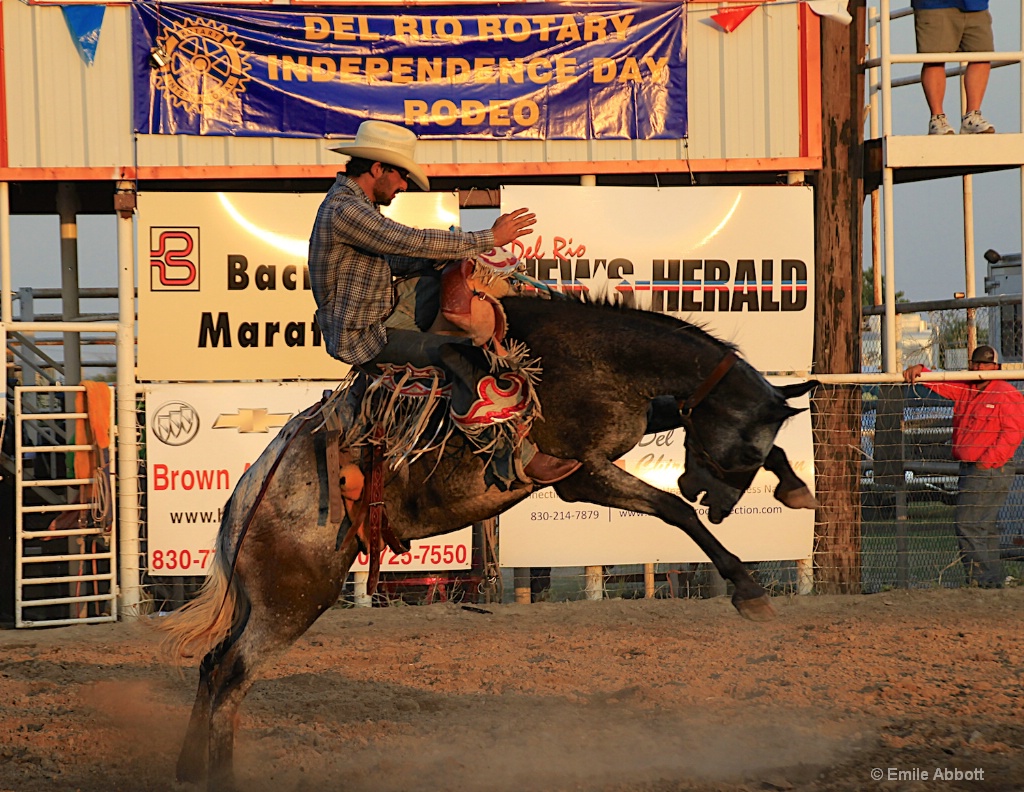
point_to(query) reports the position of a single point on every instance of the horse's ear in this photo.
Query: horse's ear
(797, 388)
(783, 412)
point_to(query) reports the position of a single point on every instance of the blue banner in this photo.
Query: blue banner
(535, 71)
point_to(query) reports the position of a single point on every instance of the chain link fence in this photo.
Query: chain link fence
(898, 508)
(901, 502)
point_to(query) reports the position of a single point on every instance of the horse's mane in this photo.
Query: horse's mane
(609, 303)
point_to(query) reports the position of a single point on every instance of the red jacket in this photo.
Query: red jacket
(988, 424)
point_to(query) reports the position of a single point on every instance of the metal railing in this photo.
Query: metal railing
(66, 572)
(878, 67)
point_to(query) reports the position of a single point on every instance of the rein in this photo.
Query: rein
(686, 405)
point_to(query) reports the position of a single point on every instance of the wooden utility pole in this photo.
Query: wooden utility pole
(838, 210)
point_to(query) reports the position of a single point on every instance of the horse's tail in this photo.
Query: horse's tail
(205, 621)
(221, 608)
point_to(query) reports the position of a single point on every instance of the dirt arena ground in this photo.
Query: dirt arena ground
(658, 696)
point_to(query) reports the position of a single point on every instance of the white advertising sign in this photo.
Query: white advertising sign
(544, 530)
(223, 289)
(200, 439)
(736, 260)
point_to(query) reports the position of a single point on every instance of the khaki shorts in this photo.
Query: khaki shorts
(953, 30)
(417, 303)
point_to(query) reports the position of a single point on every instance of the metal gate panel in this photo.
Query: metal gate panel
(67, 575)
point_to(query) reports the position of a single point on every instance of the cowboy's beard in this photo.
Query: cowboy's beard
(383, 194)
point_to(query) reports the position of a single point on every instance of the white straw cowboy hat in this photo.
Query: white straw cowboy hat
(381, 141)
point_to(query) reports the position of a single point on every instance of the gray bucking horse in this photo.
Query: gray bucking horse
(611, 374)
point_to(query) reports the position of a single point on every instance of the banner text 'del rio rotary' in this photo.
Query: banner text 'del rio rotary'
(523, 70)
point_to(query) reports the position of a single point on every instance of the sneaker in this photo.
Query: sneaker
(974, 123)
(939, 125)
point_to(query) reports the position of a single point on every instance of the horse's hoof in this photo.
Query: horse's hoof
(758, 609)
(799, 498)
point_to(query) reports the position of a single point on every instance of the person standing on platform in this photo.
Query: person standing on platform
(988, 426)
(954, 26)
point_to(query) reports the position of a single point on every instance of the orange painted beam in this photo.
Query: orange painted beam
(477, 170)
(810, 82)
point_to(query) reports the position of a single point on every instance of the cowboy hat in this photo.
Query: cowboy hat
(391, 144)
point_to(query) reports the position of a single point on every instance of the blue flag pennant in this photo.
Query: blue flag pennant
(84, 23)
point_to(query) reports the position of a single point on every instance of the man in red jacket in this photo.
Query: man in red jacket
(988, 425)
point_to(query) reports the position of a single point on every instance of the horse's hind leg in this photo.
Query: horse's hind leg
(192, 759)
(195, 750)
(231, 680)
(231, 674)
(267, 634)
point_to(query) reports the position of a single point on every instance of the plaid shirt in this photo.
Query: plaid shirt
(354, 252)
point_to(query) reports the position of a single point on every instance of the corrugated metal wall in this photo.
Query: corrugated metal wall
(744, 102)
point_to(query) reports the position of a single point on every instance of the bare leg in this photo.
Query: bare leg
(933, 80)
(975, 83)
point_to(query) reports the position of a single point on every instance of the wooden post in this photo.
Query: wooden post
(805, 576)
(359, 595)
(890, 476)
(595, 582)
(716, 585)
(521, 582)
(649, 587)
(838, 207)
(68, 206)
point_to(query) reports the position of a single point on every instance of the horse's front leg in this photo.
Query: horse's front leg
(608, 485)
(791, 491)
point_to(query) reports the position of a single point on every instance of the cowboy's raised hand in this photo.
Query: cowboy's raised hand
(512, 226)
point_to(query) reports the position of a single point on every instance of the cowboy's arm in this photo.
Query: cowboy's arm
(409, 250)
(506, 229)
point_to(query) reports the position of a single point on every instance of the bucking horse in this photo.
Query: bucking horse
(610, 375)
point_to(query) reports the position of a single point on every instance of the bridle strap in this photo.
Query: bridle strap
(686, 406)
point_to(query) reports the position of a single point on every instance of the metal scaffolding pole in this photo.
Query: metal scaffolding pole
(127, 435)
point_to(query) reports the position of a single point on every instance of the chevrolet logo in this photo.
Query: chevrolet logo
(248, 420)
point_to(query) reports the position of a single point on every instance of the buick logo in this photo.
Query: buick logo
(175, 423)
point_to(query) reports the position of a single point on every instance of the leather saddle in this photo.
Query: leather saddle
(470, 291)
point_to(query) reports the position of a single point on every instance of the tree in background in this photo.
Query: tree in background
(867, 289)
